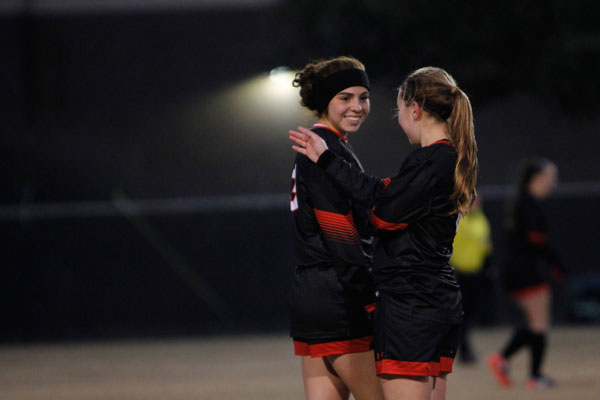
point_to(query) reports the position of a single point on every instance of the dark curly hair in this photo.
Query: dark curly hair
(312, 73)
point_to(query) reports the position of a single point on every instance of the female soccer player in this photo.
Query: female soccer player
(526, 272)
(418, 314)
(333, 293)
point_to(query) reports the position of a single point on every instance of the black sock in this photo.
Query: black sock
(538, 349)
(520, 338)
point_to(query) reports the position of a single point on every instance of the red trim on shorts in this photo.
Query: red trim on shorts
(414, 368)
(446, 364)
(529, 291)
(370, 307)
(333, 348)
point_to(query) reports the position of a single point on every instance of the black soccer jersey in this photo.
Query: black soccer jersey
(412, 215)
(330, 227)
(530, 252)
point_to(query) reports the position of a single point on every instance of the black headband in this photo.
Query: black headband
(327, 88)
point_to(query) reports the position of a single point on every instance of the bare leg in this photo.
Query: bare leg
(537, 310)
(439, 387)
(320, 380)
(357, 371)
(404, 387)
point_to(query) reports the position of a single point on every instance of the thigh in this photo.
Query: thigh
(406, 387)
(321, 382)
(357, 371)
(439, 387)
(537, 309)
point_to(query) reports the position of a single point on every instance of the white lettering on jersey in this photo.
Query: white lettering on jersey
(293, 196)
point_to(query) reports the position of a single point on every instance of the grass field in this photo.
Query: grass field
(260, 367)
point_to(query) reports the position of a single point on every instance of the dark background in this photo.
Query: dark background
(101, 106)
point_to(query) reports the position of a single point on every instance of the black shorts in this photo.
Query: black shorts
(322, 310)
(406, 345)
(521, 273)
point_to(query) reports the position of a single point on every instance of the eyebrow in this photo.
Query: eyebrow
(352, 94)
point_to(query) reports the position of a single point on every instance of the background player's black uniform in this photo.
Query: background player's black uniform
(530, 254)
(332, 285)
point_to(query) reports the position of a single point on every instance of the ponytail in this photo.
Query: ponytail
(437, 93)
(462, 133)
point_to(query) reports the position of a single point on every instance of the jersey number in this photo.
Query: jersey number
(293, 195)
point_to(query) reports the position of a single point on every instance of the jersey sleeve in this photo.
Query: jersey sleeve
(362, 187)
(407, 198)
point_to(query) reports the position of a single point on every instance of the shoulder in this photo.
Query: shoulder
(437, 156)
(442, 152)
(326, 134)
(307, 171)
(442, 158)
(332, 140)
(525, 200)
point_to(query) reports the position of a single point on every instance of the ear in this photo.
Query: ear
(415, 110)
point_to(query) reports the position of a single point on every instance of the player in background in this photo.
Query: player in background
(526, 274)
(471, 254)
(415, 213)
(332, 295)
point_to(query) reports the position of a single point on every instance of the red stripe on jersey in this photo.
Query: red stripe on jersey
(333, 348)
(370, 307)
(337, 227)
(386, 182)
(536, 237)
(378, 223)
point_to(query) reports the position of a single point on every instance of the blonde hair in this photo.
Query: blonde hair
(437, 93)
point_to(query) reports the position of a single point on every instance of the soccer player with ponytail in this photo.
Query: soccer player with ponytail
(530, 262)
(415, 213)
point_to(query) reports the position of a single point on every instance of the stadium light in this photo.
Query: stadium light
(266, 104)
(281, 76)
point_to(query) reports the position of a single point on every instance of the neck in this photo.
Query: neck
(433, 132)
(535, 191)
(325, 121)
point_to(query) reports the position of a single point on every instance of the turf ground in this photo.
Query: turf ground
(259, 367)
